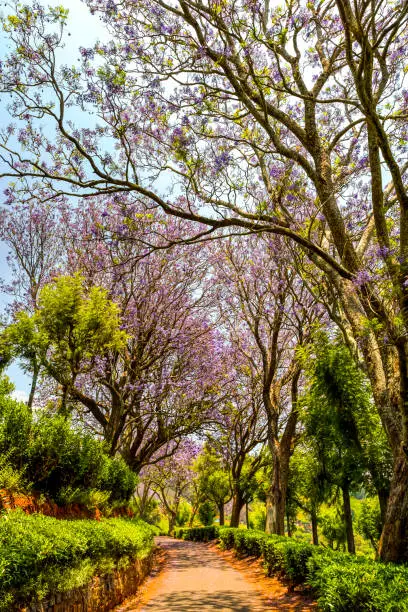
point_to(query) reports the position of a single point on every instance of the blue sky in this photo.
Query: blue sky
(84, 29)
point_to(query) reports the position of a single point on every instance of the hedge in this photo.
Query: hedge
(40, 555)
(340, 582)
(197, 534)
(59, 460)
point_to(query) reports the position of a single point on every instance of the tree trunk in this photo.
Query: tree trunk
(315, 535)
(281, 452)
(383, 501)
(36, 371)
(388, 383)
(222, 517)
(275, 508)
(348, 518)
(237, 505)
(247, 514)
(172, 522)
(288, 525)
(193, 515)
(394, 538)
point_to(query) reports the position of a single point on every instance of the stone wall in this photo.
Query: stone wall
(102, 594)
(35, 502)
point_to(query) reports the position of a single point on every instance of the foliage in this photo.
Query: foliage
(40, 555)
(206, 512)
(183, 513)
(170, 478)
(47, 453)
(346, 585)
(213, 480)
(341, 426)
(248, 140)
(257, 516)
(197, 534)
(369, 522)
(11, 478)
(333, 528)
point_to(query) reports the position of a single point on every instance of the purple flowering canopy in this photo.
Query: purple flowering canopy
(239, 117)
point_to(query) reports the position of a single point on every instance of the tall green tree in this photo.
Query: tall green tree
(214, 480)
(341, 423)
(72, 327)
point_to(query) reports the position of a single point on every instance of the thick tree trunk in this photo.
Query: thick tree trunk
(237, 505)
(222, 516)
(394, 538)
(348, 518)
(383, 501)
(315, 535)
(281, 452)
(389, 385)
(275, 507)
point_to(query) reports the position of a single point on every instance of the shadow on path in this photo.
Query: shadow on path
(197, 578)
(186, 601)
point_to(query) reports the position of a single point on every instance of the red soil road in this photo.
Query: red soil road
(193, 576)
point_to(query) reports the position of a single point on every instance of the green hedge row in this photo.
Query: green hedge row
(197, 534)
(40, 555)
(341, 582)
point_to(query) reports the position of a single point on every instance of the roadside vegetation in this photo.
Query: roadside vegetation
(41, 556)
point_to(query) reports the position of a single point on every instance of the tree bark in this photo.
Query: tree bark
(222, 516)
(394, 538)
(36, 371)
(315, 535)
(237, 505)
(193, 515)
(348, 518)
(172, 522)
(275, 506)
(281, 452)
(383, 501)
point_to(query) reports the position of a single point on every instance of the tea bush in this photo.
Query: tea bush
(197, 534)
(40, 555)
(344, 585)
(58, 460)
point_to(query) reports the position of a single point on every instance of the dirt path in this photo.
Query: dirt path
(195, 576)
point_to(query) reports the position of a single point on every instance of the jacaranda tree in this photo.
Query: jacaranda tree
(261, 118)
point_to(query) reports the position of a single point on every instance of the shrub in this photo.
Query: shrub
(344, 585)
(40, 555)
(183, 513)
(226, 536)
(197, 534)
(62, 462)
(248, 542)
(206, 513)
(11, 478)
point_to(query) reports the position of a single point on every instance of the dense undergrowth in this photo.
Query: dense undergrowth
(47, 454)
(341, 582)
(40, 555)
